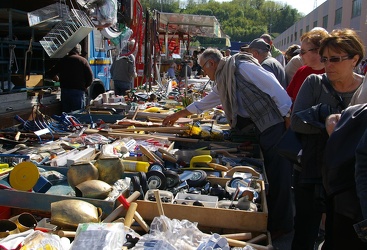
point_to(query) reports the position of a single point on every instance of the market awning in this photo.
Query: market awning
(192, 25)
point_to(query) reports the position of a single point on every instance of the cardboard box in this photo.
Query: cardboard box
(30, 81)
(217, 219)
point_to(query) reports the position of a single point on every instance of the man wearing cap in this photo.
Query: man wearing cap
(245, 89)
(276, 53)
(260, 50)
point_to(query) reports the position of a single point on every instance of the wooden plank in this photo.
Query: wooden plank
(208, 217)
(237, 220)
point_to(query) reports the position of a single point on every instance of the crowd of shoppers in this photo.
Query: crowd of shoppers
(322, 82)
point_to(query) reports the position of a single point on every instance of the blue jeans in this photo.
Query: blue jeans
(121, 87)
(72, 99)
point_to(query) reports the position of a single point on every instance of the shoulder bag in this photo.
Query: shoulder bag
(289, 146)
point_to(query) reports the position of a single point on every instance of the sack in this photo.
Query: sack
(290, 147)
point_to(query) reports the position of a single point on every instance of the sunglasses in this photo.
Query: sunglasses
(305, 51)
(335, 59)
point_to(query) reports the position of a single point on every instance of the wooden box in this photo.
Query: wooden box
(211, 219)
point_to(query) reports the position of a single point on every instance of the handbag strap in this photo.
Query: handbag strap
(333, 93)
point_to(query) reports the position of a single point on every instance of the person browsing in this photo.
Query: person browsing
(244, 89)
(75, 76)
(123, 71)
(260, 50)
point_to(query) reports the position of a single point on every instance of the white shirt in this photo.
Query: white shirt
(257, 75)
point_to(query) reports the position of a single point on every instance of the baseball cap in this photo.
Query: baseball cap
(257, 43)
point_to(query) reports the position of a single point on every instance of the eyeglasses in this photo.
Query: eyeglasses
(205, 64)
(305, 51)
(335, 59)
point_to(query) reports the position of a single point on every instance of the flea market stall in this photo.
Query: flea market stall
(112, 176)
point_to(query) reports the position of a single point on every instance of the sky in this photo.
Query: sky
(303, 6)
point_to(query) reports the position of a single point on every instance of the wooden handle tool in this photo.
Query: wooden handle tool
(149, 154)
(238, 236)
(159, 202)
(115, 213)
(129, 218)
(62, 233)
(217, 166)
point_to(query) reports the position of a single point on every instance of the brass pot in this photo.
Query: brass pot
(94, 189)
(81, 172)
(68, 214)
(110, 169)
(24, 221)
(7, 227)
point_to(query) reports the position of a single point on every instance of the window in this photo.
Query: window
(307, 28)
(356, 8)
(324, 21)
(338, 16)
(300, 32)
(315, 24)
(295, 36)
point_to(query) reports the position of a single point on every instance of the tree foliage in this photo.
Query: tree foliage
(242, 20)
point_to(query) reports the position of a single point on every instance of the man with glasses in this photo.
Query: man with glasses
(245, 89)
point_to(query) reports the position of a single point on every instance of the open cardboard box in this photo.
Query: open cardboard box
(212, 219)
(29, 81)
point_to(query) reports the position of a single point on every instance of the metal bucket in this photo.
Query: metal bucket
(94, 189)
(24, 221)
(110, 169)
(7, 227)
(81, 172)
(68, 214)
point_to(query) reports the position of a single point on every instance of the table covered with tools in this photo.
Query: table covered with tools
(111, 169)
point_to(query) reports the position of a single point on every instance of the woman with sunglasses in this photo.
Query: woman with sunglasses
(309, 52)
(319, 97)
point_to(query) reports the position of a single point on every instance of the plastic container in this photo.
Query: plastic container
(166, 196)
(135, 166)
(189, 199)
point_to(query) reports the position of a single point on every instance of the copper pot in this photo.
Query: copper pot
(110, 169)
(81, 172)
(94, 189)
(7, 227)
(68, 214)
(24, 221)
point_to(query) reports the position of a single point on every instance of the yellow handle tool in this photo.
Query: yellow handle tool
(201, 159)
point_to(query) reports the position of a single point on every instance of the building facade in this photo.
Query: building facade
(332, 14)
